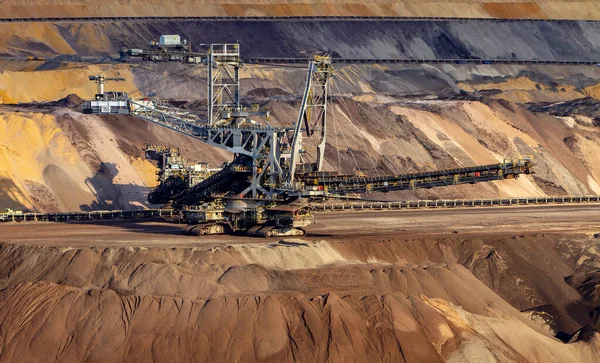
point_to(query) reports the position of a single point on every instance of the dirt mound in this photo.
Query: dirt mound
(67, 58)
(267, 92)
(65, 161)
(587, 285)
(581, 106)
(397, 301)
(71, 101)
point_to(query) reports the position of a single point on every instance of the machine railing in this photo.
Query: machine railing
(454, 203)
(85, 216)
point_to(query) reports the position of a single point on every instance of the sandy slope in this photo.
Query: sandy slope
(24, 87)
(382, 124)
(50, 166)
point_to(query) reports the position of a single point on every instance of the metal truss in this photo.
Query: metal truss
(262, 145)
(224, 65)
(312, 119)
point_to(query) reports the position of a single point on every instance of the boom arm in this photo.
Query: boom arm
(350, 184)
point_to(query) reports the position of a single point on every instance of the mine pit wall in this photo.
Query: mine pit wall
(517, 40)
(476, 120)
(431, 299)
(392, 127)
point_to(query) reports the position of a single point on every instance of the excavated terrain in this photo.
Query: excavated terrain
(384, 119)
(450, 297)
(509, 39)
(452, 285)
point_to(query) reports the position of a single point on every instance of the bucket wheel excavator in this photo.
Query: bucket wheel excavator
(274, 168)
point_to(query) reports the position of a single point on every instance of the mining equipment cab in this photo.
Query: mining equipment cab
(258, 221)
(169, 48)
(106, 102)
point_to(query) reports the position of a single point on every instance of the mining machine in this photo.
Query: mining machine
(169, 48)
(274, 168)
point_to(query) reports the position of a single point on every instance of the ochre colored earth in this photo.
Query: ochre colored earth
(530, 9)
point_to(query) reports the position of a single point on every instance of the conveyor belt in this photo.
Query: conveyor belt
(218, 183)
(305, 60)
(86, 216)
(317, 207)
(454, 203)
(470, 175)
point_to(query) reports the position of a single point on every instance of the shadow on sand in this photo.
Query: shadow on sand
(110, 195)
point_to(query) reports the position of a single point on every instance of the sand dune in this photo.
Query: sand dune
(51, 167)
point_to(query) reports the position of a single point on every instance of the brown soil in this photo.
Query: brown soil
(125, 293)
(555, 9)
(530, 10)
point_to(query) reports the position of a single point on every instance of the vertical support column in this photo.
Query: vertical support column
(223, 80)
(209, 78)
(237, 86)
(323, 138)
(313, 114)
(297, 138)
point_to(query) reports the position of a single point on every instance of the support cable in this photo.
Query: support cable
(350, 149)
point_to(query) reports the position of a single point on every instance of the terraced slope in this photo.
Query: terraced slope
(563, 40)
(539, 9)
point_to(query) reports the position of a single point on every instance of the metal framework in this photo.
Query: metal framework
(223, 81)
(260, 144)
(259, 148)
(312, 118)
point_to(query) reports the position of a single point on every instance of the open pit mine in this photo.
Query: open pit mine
(329, 182)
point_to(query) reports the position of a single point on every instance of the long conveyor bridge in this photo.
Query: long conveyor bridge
(333, 184)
